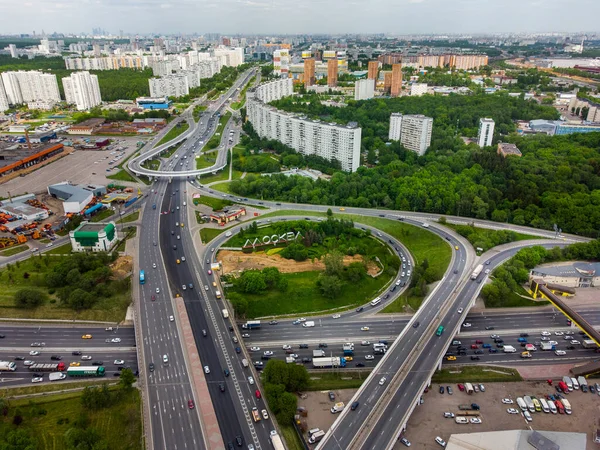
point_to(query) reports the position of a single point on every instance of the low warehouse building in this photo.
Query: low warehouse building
(94, 237)
(75, 198)
(575, 275)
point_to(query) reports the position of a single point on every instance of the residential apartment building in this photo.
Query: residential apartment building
(309, 72)
(274, 90)
(31, 86)
(13, 51)
(332, 72)
(396, 85)
(3, 98)
(230, 56)
(364, 89)
(485, 134)
(413, 131)
(82, 89)
(281, 62)
(577, 105)
(170, 86)
(106, 63)
(418, 89)
(373, 68)
(387, 82)
(308, 137)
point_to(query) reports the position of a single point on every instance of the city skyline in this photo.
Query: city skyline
(310, 16)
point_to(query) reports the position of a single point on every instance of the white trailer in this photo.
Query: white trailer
(8, 366)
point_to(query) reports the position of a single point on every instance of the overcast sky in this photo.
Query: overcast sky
(299, 16)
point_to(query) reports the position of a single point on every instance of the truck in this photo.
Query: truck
(476, 272)
(251, 325)
(509, 349)
(563, 387)
(321, 363)
(338, 407)
(308, 324)
(529, 403)
(56, 376)
(86, 371)
(568, 382)
(225, 314)
(469, 388)
(582, 382)
(245, 363)
(47, 367)
(567, 405)
(316, 437)
(255, 414)
(588, 343)
(472, 406)
(379, 349)
(93, 209)
(544, 345)
(7, 366)
(218, 294)
(276, 441)
(348, 349)
(559, 406)
(318, 353)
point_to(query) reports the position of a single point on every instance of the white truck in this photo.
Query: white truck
(56, 376)
(7, 366)
(225, 314)
(582, 382)
(318, 353)
(476, 272)
(276, 441)
(509, 349)
(308, 324)
(290, 360)
(338, 407)
(316, 437)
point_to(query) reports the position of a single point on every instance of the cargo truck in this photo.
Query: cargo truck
(86, 371)
(318, 353)
(320, 363)
(56, 376)
(225, 314)
(476, 272)
(509, 349)
(316, 437)
(338, 407)
(308, 324)
(469, 388)
(47, 367)
(588, 343)
(8, 366)
(547, 346)
(472, 406)
(276, 441)
(348, 349)
(251, 325)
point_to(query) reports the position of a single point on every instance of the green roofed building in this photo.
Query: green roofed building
(95, 237)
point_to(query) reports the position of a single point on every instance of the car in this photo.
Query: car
(507, 401)
(76, 353)
(441, 389)
(568, 337)
(574, 342)
(449, 390)
(466, 325)
(303, 346)
(546, 333)
(34, 353)
(171, 318)
(382, 381)
(286, 347)
(322, 345)
(154, 265)
(448, 415)
(97, 363)
(336, 316)
(75, 364)
(416, 324)
(184, 287)
(244, 335)
(86, 358)
(165, 359)
(405, 441)
(460, 310)
(365, 343)
(86, 336)
(37, 379)
(558, 333)
(151, 367)
(482, 388)
(273, 322)
(360, 364)
(360, 309)
(560, 352)
(440, 441)
(451, 358)
(369, 357)
(489, 327)
(255, 349)
(570, 347)
(512, 411)
(183, 258)
(191, 404)
(331, 396)
(364, 328)
(475, 358)
(250, 380)
(206, 369)
(153, 297)
(158, 290)
(56, 357)
(494, 336)
(461, 387)
(118, 362)
(545, 339)
(265, 414)
(527, 416)
(210, 272)
(115, 340)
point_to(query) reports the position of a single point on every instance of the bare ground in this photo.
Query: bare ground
(122, 267)
(234, 262)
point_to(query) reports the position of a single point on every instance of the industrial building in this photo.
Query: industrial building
(87, 127)
(19, 208)
(153, 103)
(576, 275)
(508, 150)
(16, 156)
(517, 440)
(75, 198)
(94, 237)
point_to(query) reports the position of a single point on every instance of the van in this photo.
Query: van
(545, 406)
(568, 382)
(521, 404)
(245, 363)
(552, 407)
(376, 301)
(575, 384)
(316, 437)
(313, 431)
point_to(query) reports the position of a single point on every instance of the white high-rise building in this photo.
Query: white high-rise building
(281, 62)
(230, 56)
(82, 89)
(416, 132)
(3, 98)
(486, 132)
(11, 87)
(13, 50)
(418, 89)
(395, 127)
(364, 89)
(274, 90)
(308, 137)
(171, 86)
(32, 86)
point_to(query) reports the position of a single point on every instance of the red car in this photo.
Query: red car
(191, 404)
(153, 297)
(461, 388)
(257, 393)
(474, 346)
(478, 342)
(210, 272)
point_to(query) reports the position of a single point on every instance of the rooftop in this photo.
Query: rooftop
(89, 123)
(576, 269)
(93, 227)
(517, 440)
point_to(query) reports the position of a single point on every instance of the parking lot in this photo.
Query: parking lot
(80, 167)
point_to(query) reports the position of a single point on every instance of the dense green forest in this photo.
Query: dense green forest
(556, 181)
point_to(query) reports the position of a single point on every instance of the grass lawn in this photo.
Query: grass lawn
(104, 214)
(215, 203)
(344, 379)
(120, 422)
(514, 300)
(291, 437)
(197, 111)
(130, 233)
(459, 374)
(152, 164)
(130, 217)
(122, 175)
(215, 140)
(205, 160)
(64, 249)
(173, 133)
(486, 239)
(223, 175)
(52, 387)
(400, 304)
(303, 296)
(110, 309)
(208, 234)
(14, 250)
(222, 187)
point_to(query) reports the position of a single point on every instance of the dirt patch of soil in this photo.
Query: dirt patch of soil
(234, 261)
(122, 267)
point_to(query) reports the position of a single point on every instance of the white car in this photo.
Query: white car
(466, 325)
(440, 441)
(302, 319)
(158, 290)
(336, 316)
(560, 353)
(255, 349)
(118, 362)
(364, 328)
(250, 380)
(246, 335)
(460, 310)
(369, 357)
(206, 369)
(527, 416)
(512, 411)
(154, 265)
(86, 358)
(115, 340)
(475, 420)
(558, 333)
(28, 363)
(37, 379)
(448, 415)
(265, 414)
(171, 319)
(546, 333)
(382, 381)
(268, 353)
(165, 359)
(286, 347)
(553, 342)
(507, 401)
(206, 287)
(33, 353)
(574, 342)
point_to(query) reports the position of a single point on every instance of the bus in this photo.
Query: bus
(440, 330)
(142, 277)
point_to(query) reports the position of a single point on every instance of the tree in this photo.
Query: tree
(251, 282)
(30, 298)
(330, 285)
(84, 439)
(80, 299)
(126, 379)
(19, 439)
(334, 263)
(355, 272)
